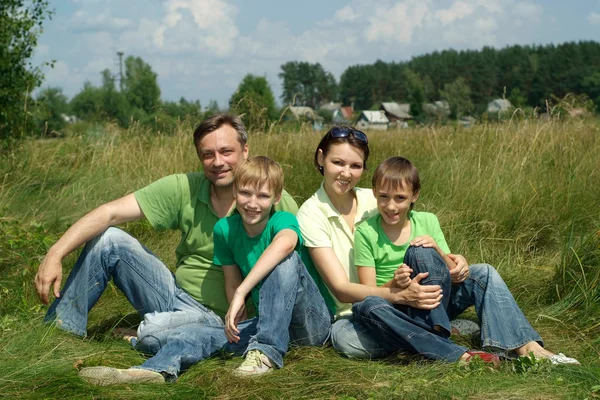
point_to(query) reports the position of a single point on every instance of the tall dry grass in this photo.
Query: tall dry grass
(522, 196)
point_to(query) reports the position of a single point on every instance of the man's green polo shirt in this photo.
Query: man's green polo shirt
(182, 202)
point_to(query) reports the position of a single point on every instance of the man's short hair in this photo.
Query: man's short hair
(396, 172)
(216, 121)
(258, 170)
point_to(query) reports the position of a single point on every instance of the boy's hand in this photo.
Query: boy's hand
(49, 275)
(424, 297)
(424, 241)
(402, 276)
(459, 273)
(235, 314)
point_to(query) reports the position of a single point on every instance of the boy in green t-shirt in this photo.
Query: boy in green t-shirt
(261, 253)
(386, 245)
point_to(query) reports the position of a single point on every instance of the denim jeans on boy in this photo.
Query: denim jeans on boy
(291, 310)
(146, 282)
(377, 328)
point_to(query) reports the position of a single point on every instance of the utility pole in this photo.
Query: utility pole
(120, 54)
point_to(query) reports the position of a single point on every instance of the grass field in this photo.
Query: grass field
(524, 197)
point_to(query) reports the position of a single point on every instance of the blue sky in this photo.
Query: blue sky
(201, 49)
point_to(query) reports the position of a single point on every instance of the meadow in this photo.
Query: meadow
(522, 195)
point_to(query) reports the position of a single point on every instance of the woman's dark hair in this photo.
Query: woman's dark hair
(336, 135)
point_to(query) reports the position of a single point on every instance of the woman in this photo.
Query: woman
(327, 221)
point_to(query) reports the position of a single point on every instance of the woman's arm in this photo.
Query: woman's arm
(332, 272)
(368, 276)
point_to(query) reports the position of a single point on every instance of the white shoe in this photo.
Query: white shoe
(105, 376)
(560, 358)
(256, 363)
(464, 327)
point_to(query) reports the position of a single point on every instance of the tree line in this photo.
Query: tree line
(528, 76)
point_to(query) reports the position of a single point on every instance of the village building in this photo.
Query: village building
(372, 120)
(499, 106)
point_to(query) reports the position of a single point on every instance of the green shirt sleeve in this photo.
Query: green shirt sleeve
(223, 255)
(287, 203)
(438, 235)
(363, 247)
(286, 220)
(161, 202)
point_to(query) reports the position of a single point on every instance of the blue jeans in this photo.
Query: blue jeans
(421, 260)
(378, 329)
(291, 310)
(146, 282)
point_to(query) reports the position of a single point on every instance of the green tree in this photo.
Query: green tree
(51, 105)
(458, 95)
(88, 104)
(213, 107)
(254, 99)
(416, 92)
(140, 85)
(114, 105)
(591, 86)
(20, 26)
(306, 84)
(517, 99)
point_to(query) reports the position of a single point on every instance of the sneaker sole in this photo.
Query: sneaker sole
(106, 376)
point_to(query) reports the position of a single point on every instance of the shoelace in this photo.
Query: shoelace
(252, 359)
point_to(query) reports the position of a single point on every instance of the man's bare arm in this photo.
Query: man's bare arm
(116, 212)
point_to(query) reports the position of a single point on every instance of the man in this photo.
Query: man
(191, 203)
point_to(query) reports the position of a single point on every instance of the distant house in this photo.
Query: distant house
(337, 113)
(373, 120)
(396, 112)
(303, 113)
(438, 109)
(347, 112)
(499, 106)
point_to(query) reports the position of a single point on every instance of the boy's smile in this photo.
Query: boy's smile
(254, 205)
(394, 203)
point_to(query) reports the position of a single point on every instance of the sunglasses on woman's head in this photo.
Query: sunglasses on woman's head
(342, 132)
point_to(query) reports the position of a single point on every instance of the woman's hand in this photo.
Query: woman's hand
(459, 273)
(401, 278)
(424, 297)
(425, 241)
(235, 314)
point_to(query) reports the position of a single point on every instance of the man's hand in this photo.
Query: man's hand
(424, 297)
(459, 273)
(401, 278)
(49, 272)
(424, 241)
(235, 314)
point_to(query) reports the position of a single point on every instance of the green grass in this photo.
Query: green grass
(520, 196)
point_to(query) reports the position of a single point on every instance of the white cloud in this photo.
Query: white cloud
(530, 11)
(458, 10)
(396, 24)
(594, 18)
(345, 14)
(200, 25)
(84, 21)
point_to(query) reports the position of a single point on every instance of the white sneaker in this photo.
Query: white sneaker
(560, 358)
(105, 376)
(256, 363)
(464, 327)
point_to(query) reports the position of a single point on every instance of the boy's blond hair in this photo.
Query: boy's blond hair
(258, 170)
(396, 172)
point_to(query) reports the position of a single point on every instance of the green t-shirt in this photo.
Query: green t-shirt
(182, 202)
(372, 247)
(233, 246)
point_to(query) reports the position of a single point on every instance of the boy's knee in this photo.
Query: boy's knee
(424, 259)
(351, 342)
(364, 308)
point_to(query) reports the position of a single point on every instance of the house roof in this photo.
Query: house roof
(375, 117)
(347, 112)
(401, 111)
(331, 106)
(302, 112)
(499, 105)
